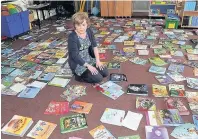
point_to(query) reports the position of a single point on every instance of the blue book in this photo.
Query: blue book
(158, 70)
(18, 72)
(46, 77)
(29, 92)
(195, 120)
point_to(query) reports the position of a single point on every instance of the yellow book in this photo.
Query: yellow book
(60, 54)
(128, 42)
(17, 126)
(81, 107)
(159, 90)
(101, 132)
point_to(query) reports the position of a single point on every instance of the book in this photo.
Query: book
(195, 71)
(6, 70)
(57, 108)
(143, 52)
(176, 67)
(157, 70)
(164, 79)
(192, 83)
(18, 87)
(113, 65)
(128, 43)
(74, 138)
(7, 81)
(18, 72)
(17, 126)
(177, 77)
(138, 60)
(116, 77)
(195, 121)
(42, 130)
(159, 90)
(52, 69)
(145, 103)
(132, 120)
(100, 132)
(102, 56)
(46, 77)
(137, 89)
(157, 61)
(176, 90)
(192, 98)
(140, 46)
(29, 92)
(8, 91)
(175, 103)
(64, 73)
(156, 132)
(81, 107)
(113, 116)
(73, 123)
(37, 84)
(59, 82)
(130, 137)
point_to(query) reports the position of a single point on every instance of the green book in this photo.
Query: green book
(130, 137)
(73, 123)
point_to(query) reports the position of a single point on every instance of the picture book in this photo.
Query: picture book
(130, 137)
(113, 65)
(17, 64)
(28, 65)
(42, 130)
(157, 70)
(176, 67)
(117, 77)
(37, 84)
(186, 46)
(192, 51)
(29, 92)
(18, 87)
(140, 46)
(185, 131)
(176, 90)
(156, 132)
(46, 77)
(73, 123)
(52, 69)
(128, 43)
(175, 103)
(17, 126)
(57, 108)
(120, 59)
(167, 56)
(145, 103)
(35, 74)
(129, 49)
(102, 56)
(59, 82)
(138, 60)
(159, 51)
(81, 107)
(17, 72)
(159, 90)
(157, 61)
(177, 77)
(100, 132)
(192, 83)
(143, 52)
(113, 116)
(153, 118)
(195, 121)
(7, 81)
(132, 120)
(64, 73)
(50, 61)
(156, 46)
(164, 79)
(137, 89)
(6, 70)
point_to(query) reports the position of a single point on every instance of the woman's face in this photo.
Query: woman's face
(81, 28)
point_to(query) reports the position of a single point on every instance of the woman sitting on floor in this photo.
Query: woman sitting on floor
(83, 52)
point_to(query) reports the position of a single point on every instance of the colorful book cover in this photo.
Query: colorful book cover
(159, 90)
(192, 57)
(113, 65)
(42, 130)
(116, 77)
(17, 126)
(7, 81)
(113, 116)
(192, 83)
(28, 65)
(128, 43)
(59, 82)
(157, 61)
(130, 137)
(137, 89)
(46, 77)
(175, 103)
(195, 120)
(120, 59)
(177, 77)
(18, 72)
(153, 118)
(164, 79)
(101, 132)
(156, 132)
(157, 70)
(73, 123)
(176, 90)
(52, 69)
(64, 73)
(6, 70)
(138, 60)
(102, 56)
(50, 61)
(8, 91)
(35, 74)
(17, 64)
(145, 104)
(81, 107)
(129, 49)
(141, 47)
(29, 92)
(176, 67)
(57, 108)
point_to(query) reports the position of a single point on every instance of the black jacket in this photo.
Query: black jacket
(74, 46)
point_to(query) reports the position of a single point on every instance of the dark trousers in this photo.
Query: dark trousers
(89, 78)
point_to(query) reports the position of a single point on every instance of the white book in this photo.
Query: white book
(143, 52)
(37, 84)
(113, 116)
(140, 46)
(61, 61)
(59, 82)
(18, 87)
(132, 120)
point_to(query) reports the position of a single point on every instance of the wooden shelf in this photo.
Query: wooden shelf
(190, 13)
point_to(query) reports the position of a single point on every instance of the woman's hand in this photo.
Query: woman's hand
(92, 69)
(99, 65)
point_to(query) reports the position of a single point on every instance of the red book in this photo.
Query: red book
(57, 108)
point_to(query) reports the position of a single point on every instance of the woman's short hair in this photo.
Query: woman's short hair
(79, 17)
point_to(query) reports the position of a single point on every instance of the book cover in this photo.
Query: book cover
(176, 90)
(137, 89)
(143, 52)
(29, 92)
(156, 132)
(102, 56)
(17, 126)
(113, 65)
(64, 73)
(17, 72)
(140, 46)
(52, 69)
(192, 83)
(18, 87)
(128, 43)
(160, 51)
(46, 77)
(7, 81)
(164, 79)
(177, 77)
(59, 82)
(57, 108)
(157, 70)
(157, 61)
(138, 60)
(116, 77)
(145, 103)
(73, 123)
(113, 116)
(42, 130)
(153, 118)
(28, 65)
(159, 90)
(6, 70)
(101, 132)
(37, 84)
(17, 64)
(50, 61)
(8, 91)
(81, 107)
(176, 67)
(130, 137)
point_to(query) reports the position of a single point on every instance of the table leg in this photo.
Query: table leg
(39, 22)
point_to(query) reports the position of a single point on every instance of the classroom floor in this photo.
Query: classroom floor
(34, 108)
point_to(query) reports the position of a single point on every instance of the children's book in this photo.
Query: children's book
(6, 70)
(176, 67)
(130, 137)
(17, 72)
(159, 90)
(52, 69)
(160, 51)
(17, 126)
(37, 84)
(157, 61)
(132, 120)
(57, 108)
(101, 132)
(156, 132)
(29, 92)
(116, 77)
(35, 74)
(102, 56)
(186, 46)
(137, 89)
(17, 64)
(164, 79)
(128, 43)
(176, 90)
(18, 87)
(175, 103)
(157, 70)
(138, 60)
(177, 77)
(120, 59)
(192, 51)
(113, 65)
(28, 65)
(46, 77)
(128, 49)
(81, 107)
(156, 46)
(73, 123)
(64, 73)
(50, 61)
(192, 83)
(143, 52)
(195, 120)
(7, 81)
(140, 46)
(113, 116)
(145, 103)
(59, 82)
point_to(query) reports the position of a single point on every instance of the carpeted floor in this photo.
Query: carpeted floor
(35, 108)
